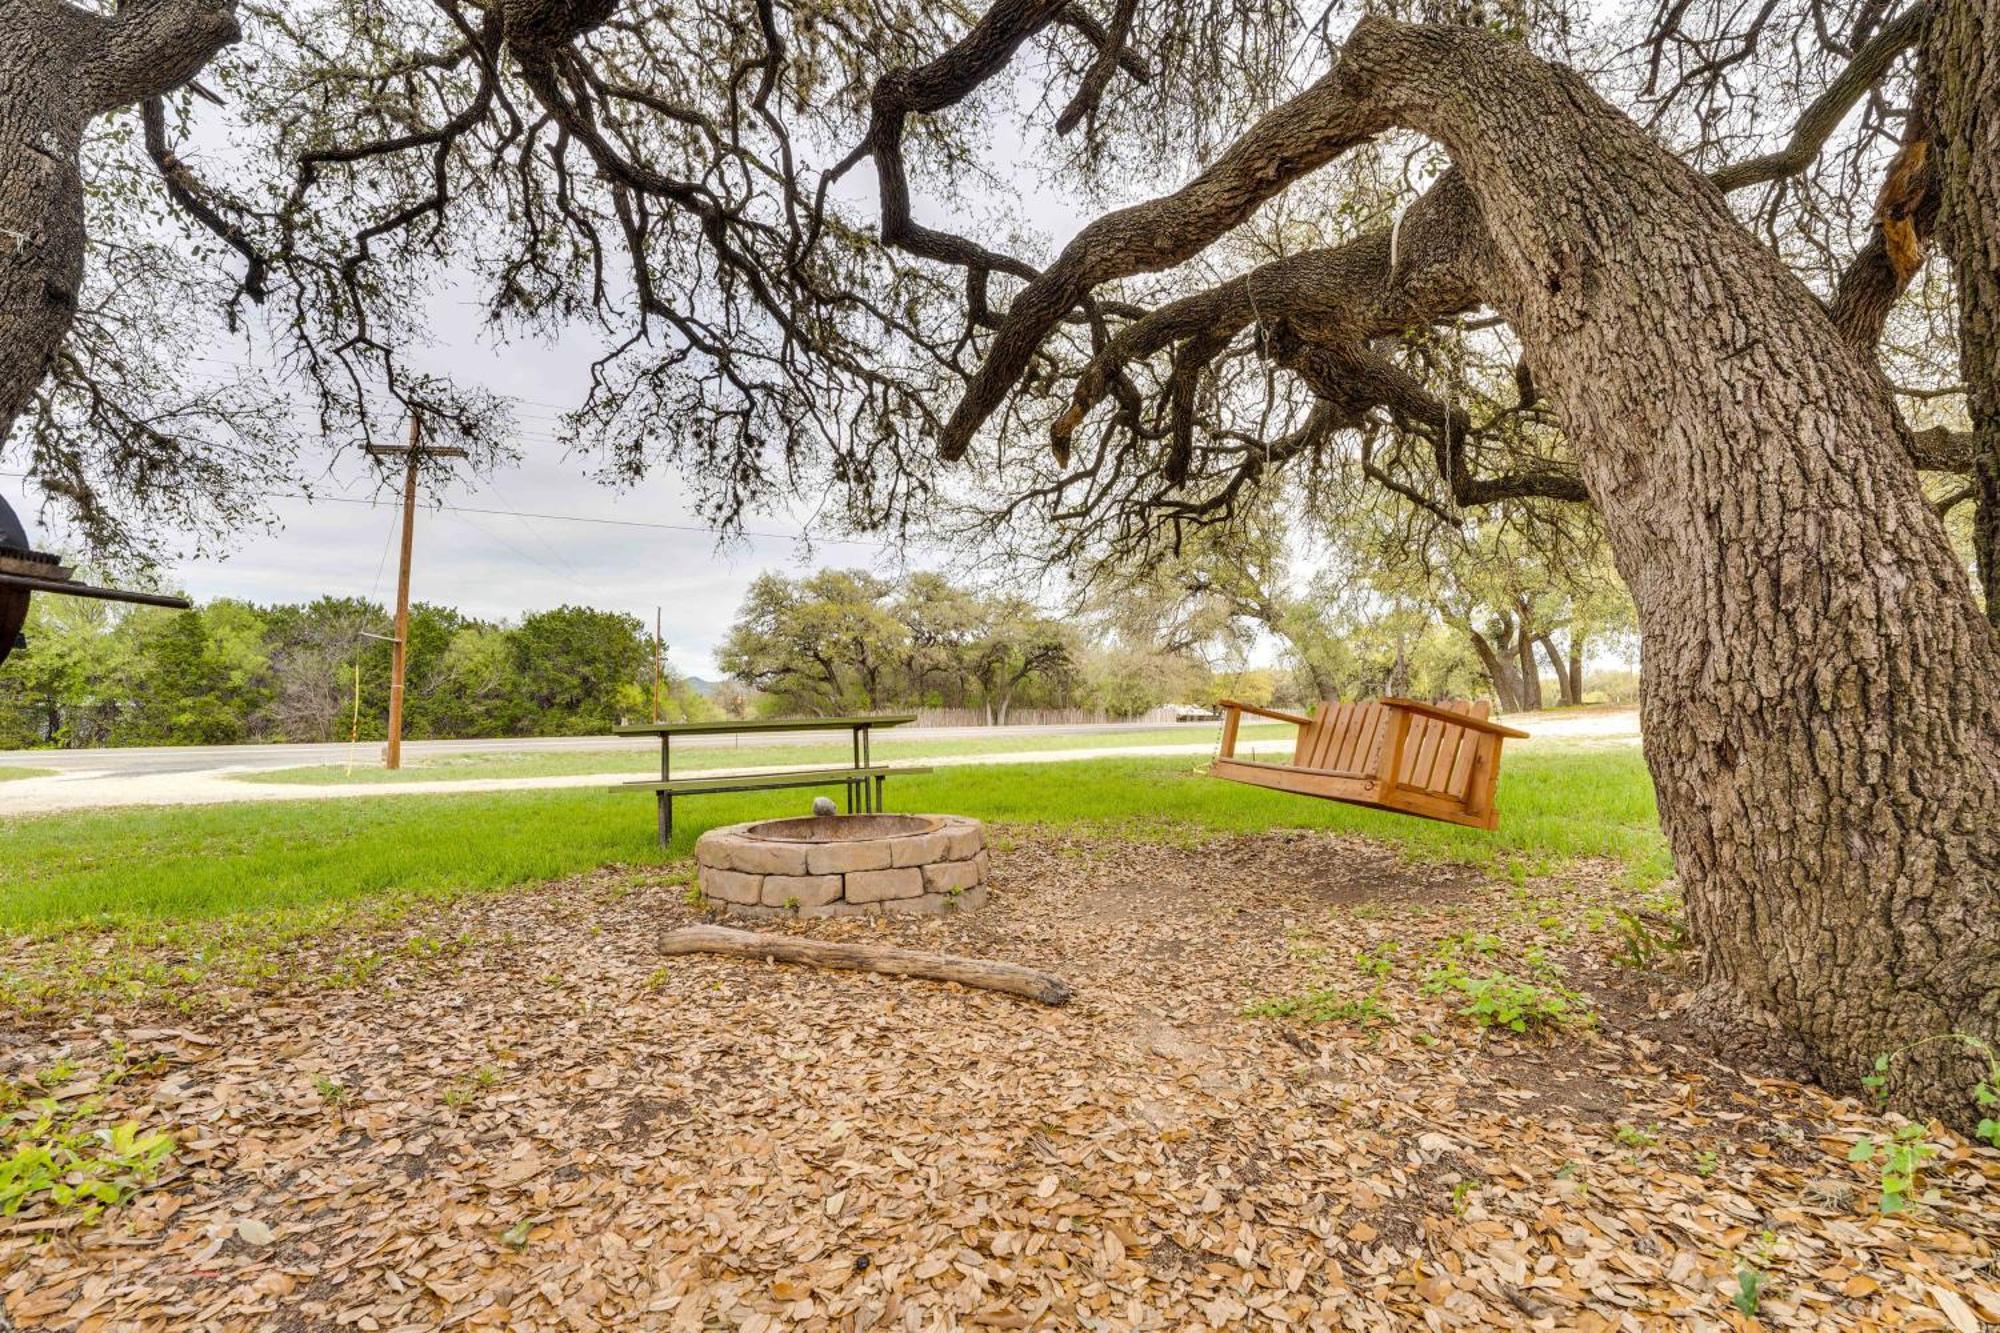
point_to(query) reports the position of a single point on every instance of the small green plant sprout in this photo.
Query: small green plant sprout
(792, 904)
(1377, 961)
(1646, 937)
(1573, 1176)
(57, 1074)
(1705, 1163)
(1465, 942)
(51, 1156)
(422, 945)
(332, 1091)
(1502, 1000)
(1985, 1090)
(1749, 1288)
(1768, 1245)
(1323, 1006)
(693, 897)
(1461, 1195)
(657, 978)
(1631, 1136)
(1900, 1158)
(1876, 1082)
(462, 1092)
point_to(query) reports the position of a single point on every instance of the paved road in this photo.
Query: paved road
(208, 774)
(83, 791)
(134, 761)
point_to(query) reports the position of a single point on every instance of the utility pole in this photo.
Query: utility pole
(412, 454)
(659, 657)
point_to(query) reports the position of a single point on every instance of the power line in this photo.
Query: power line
(383, 563)
(607, 522)
(697, 528)
(531, 529)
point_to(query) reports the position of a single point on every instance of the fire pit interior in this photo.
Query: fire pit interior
(841, 828)
(845, 865)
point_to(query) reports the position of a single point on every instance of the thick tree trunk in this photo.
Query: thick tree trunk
(1531, 671)
(1576, 649)
(1504, 676)
(1569, 684)
(1319, 685)
(60, 67)
(1961, 68)
(41, 213)
(1822, 720)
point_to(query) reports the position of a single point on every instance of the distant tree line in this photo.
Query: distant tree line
(847, 640)
(230, 671)
(831, 642)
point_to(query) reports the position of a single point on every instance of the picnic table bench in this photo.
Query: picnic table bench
(855, 778)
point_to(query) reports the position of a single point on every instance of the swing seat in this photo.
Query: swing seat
(1436, 761)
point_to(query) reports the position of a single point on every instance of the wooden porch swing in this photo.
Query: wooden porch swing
(1436, 761)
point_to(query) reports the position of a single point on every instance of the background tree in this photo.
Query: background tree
(845, 640)
(822, 645)
(94, 674)
(579, 670)
(1016, 643)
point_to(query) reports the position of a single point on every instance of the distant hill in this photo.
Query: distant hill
(705, 688)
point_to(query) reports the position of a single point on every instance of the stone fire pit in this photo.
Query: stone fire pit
(845, 865)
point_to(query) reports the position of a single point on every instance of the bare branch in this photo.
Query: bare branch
(1823, 117)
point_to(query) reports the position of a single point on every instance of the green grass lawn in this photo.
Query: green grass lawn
(1267, 737)
(13, 774)
(146, 868)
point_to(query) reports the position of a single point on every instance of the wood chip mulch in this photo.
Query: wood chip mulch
(541, 1124)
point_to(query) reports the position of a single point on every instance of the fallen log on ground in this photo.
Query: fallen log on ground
(1008, 978)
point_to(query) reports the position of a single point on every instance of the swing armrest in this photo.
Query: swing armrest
(1295, 719)
(1456, 719)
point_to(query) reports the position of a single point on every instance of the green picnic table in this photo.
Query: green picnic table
(854, 778)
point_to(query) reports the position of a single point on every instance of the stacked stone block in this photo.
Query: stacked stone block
(931, 872)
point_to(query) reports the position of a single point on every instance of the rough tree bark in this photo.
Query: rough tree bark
(1504, 675)
(60, 68)
(1961, 68)
(1818, 684)
(1524, 649)
(1569, 670)
(1821, 720)
(1398, 684)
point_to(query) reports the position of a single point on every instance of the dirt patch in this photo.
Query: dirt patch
(1278, 873)
(550, 1127)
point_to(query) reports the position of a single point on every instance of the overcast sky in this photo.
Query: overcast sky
(536, 534)
(500, 565)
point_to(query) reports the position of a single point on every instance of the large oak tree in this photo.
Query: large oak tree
(730, 191)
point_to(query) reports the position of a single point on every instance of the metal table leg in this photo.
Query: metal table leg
(666, 799)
